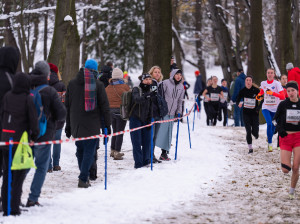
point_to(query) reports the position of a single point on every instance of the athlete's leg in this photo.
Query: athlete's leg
(268, 115)
(295, 167)
(285, 159)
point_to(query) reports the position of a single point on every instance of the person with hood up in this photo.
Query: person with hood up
(18, 115)
(60, 87)
(105, 73)
(173, 92)
(239, 84)
(54, 111)
(86, 102)
(293, 73)
(9, 59)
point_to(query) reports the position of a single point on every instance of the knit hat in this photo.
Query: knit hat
(125, 74)
(91, 64)
(289, 66)
(145, 75)
(42, 67)
(53, 67)
(197, 73)
(117, 74)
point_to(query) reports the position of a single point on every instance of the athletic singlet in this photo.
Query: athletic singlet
(271, 102)
(248, 97)
(214, 93)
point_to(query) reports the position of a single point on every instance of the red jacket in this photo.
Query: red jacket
(294, 75)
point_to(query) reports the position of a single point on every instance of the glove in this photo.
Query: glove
(258, 97)
(282, 133)
(108, 133)
(68, 131)
(269, 92)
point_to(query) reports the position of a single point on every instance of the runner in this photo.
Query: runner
(223, 102)
(273, 93)
(215, 93)
(246, 98)
(205, 102)
(288, 126)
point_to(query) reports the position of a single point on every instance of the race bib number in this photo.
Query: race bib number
(249, 103)
(214, 96)
(205, 100)
(225, 94)
(292, 116)
(270, 100)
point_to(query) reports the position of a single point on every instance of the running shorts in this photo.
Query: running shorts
(290, 141)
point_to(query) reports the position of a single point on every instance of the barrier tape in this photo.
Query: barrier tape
(101, 135)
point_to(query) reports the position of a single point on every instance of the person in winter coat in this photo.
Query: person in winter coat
(9, 59)
(86, 101)
(173, 93)
(18, 115)
(238, 85)
(198, 87)
(157, 78)
(54, 111)
(127, 79)
(141, 115)
(61, 91)
(293, 73)
(114, 92)
(105, 73)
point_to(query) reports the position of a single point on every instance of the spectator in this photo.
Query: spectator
(198, 88)
(128, 80)
(173, 64)
(293, 73)
(54, 111)
(86, 101)
(238, 85)
(114, 92)
(105, 73)
(57, 84)
(223, 102)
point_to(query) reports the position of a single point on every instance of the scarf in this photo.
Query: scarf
(117, 82)
(90, 97)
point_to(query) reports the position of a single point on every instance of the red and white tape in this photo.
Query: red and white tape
(101, 135)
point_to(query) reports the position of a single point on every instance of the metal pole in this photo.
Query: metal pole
(177, 137)
(105, 182)
(187, 117)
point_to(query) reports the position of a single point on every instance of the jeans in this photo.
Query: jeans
(223, 107)
(41, 154)
(252, 126)
(56, 150)
(118, 124)
(238, 116)
(268, 115)
(141, 143)
(85, 156)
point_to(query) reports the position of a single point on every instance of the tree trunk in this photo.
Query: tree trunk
(46, 32)
(64, 51)
(223, 40)
(83, 39)
(198, 26)
(237, 34)
(158, 35)
(296, 32)
(177, 48)
(256, 62)
(284, 41)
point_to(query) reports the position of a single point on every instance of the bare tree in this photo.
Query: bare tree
(46, 32)
(296, 31)
(177, 47)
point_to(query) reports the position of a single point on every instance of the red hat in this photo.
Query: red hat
(196, 72)
(53, 67)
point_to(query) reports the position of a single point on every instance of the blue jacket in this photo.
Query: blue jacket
(238, 85)
(198, 85)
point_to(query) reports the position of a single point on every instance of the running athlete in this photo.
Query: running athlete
(288, 126)
(247, 99)
(215, 93)
(273, 93)
(205, 102)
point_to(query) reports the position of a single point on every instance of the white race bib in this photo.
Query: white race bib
(292, 116)
(225, 94)
(270, 100)
(205, 100)
(214, 96)
(249, 103)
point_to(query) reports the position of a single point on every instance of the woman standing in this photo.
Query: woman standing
(246, 98)
(173, 92)
(215, 93)
(114, 91)
(288, 126)
(273, 93)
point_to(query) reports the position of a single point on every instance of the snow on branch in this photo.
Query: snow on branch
(225, 10)
(27, 11)
(271, 57)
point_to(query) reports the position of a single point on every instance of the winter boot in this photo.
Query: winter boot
(33, 203)
(50, 171)
(155, 160)
(164, 155)
(112, 152)
(118, 155)
(56, 168)
(82, 184)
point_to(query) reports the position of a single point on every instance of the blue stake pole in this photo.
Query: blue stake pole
(194, 116)
(187, 117)
(177, 137)
(152, 120)
(105, 182)
(9, 176)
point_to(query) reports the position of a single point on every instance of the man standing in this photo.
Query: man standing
(238, 85)
(54, 111)
(293, 73)
(86, 101)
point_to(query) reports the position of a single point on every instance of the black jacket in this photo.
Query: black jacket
(251, 94)
(79, 122)
(61, 89)
(18, 111)
(106, 75)
(143, 107)
(155, 107)
(9, 59)
(54, 109)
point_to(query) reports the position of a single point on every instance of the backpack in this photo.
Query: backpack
(40, 109)
(126, 108)
(162, 103)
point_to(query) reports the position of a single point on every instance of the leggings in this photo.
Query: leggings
(270, 127)
(251, 122)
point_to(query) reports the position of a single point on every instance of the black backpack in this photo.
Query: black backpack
(162, 103)
(126, 107)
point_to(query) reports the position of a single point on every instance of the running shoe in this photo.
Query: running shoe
(270, 148)
(291, 196)
(278, 148)
(250, 151)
